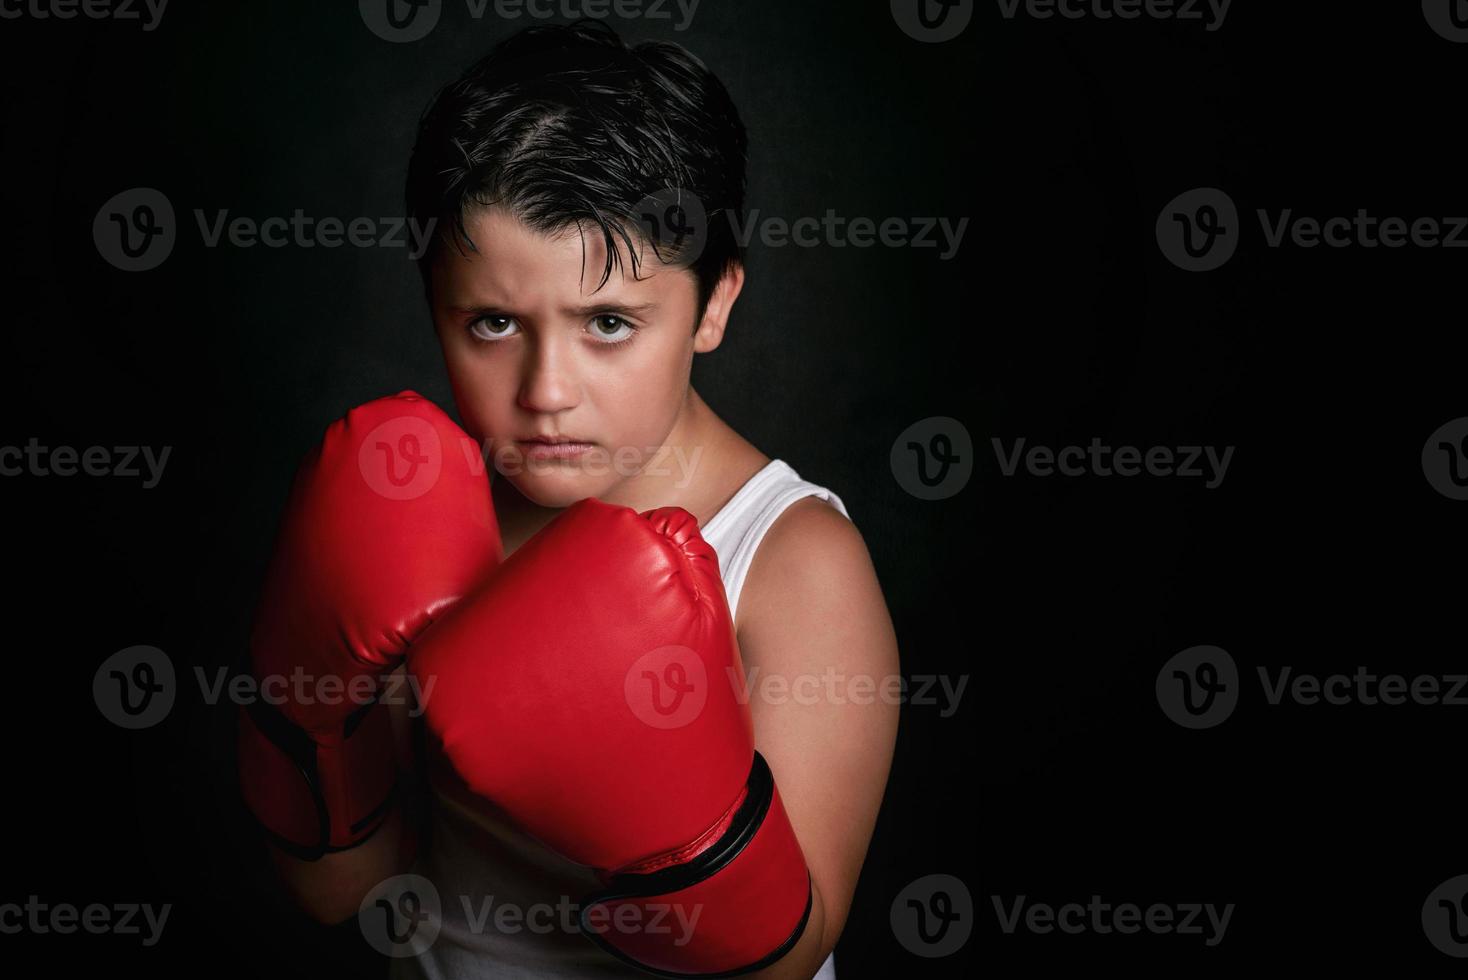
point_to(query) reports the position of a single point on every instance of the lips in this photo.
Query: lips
(554, 447)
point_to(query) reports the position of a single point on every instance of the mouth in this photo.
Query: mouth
(554, 447)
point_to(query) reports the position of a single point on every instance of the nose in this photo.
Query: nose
(548, 382)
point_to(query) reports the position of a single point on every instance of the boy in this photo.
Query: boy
(568, 311)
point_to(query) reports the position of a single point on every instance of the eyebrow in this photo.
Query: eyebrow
(577, 311)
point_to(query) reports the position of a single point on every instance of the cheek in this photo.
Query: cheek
(640, 393)
(481, 392)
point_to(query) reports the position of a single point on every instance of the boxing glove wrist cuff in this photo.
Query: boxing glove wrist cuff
(316, 793)
(737, 906)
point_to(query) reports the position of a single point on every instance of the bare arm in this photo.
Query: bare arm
(818, 650)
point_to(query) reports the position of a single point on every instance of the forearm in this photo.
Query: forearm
(809, 951)
(331, 889)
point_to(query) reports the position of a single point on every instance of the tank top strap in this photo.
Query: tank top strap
(736, 530)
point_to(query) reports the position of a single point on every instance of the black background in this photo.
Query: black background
(1060, 320)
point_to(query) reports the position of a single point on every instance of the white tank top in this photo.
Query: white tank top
(480, 863)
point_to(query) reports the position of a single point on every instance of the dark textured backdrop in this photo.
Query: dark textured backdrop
(1055, 599)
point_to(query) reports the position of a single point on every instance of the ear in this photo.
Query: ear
(710, 331)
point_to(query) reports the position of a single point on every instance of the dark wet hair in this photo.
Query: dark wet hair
(564, 124)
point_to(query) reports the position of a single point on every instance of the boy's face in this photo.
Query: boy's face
(532, 352)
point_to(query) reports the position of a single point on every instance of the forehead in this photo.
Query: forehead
(509, 256)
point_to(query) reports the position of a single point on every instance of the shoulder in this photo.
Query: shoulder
(813, 576)
(811, 533)
(811, 542)
(811, 529)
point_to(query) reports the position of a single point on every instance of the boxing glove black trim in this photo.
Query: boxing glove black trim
(742, 829)
(300, 748)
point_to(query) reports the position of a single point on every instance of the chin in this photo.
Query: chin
(558, 489)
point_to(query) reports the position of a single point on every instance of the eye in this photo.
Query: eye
(611, 329)
(492, 327)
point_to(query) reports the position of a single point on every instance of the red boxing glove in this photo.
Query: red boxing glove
(589, 689)
(387, 525)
